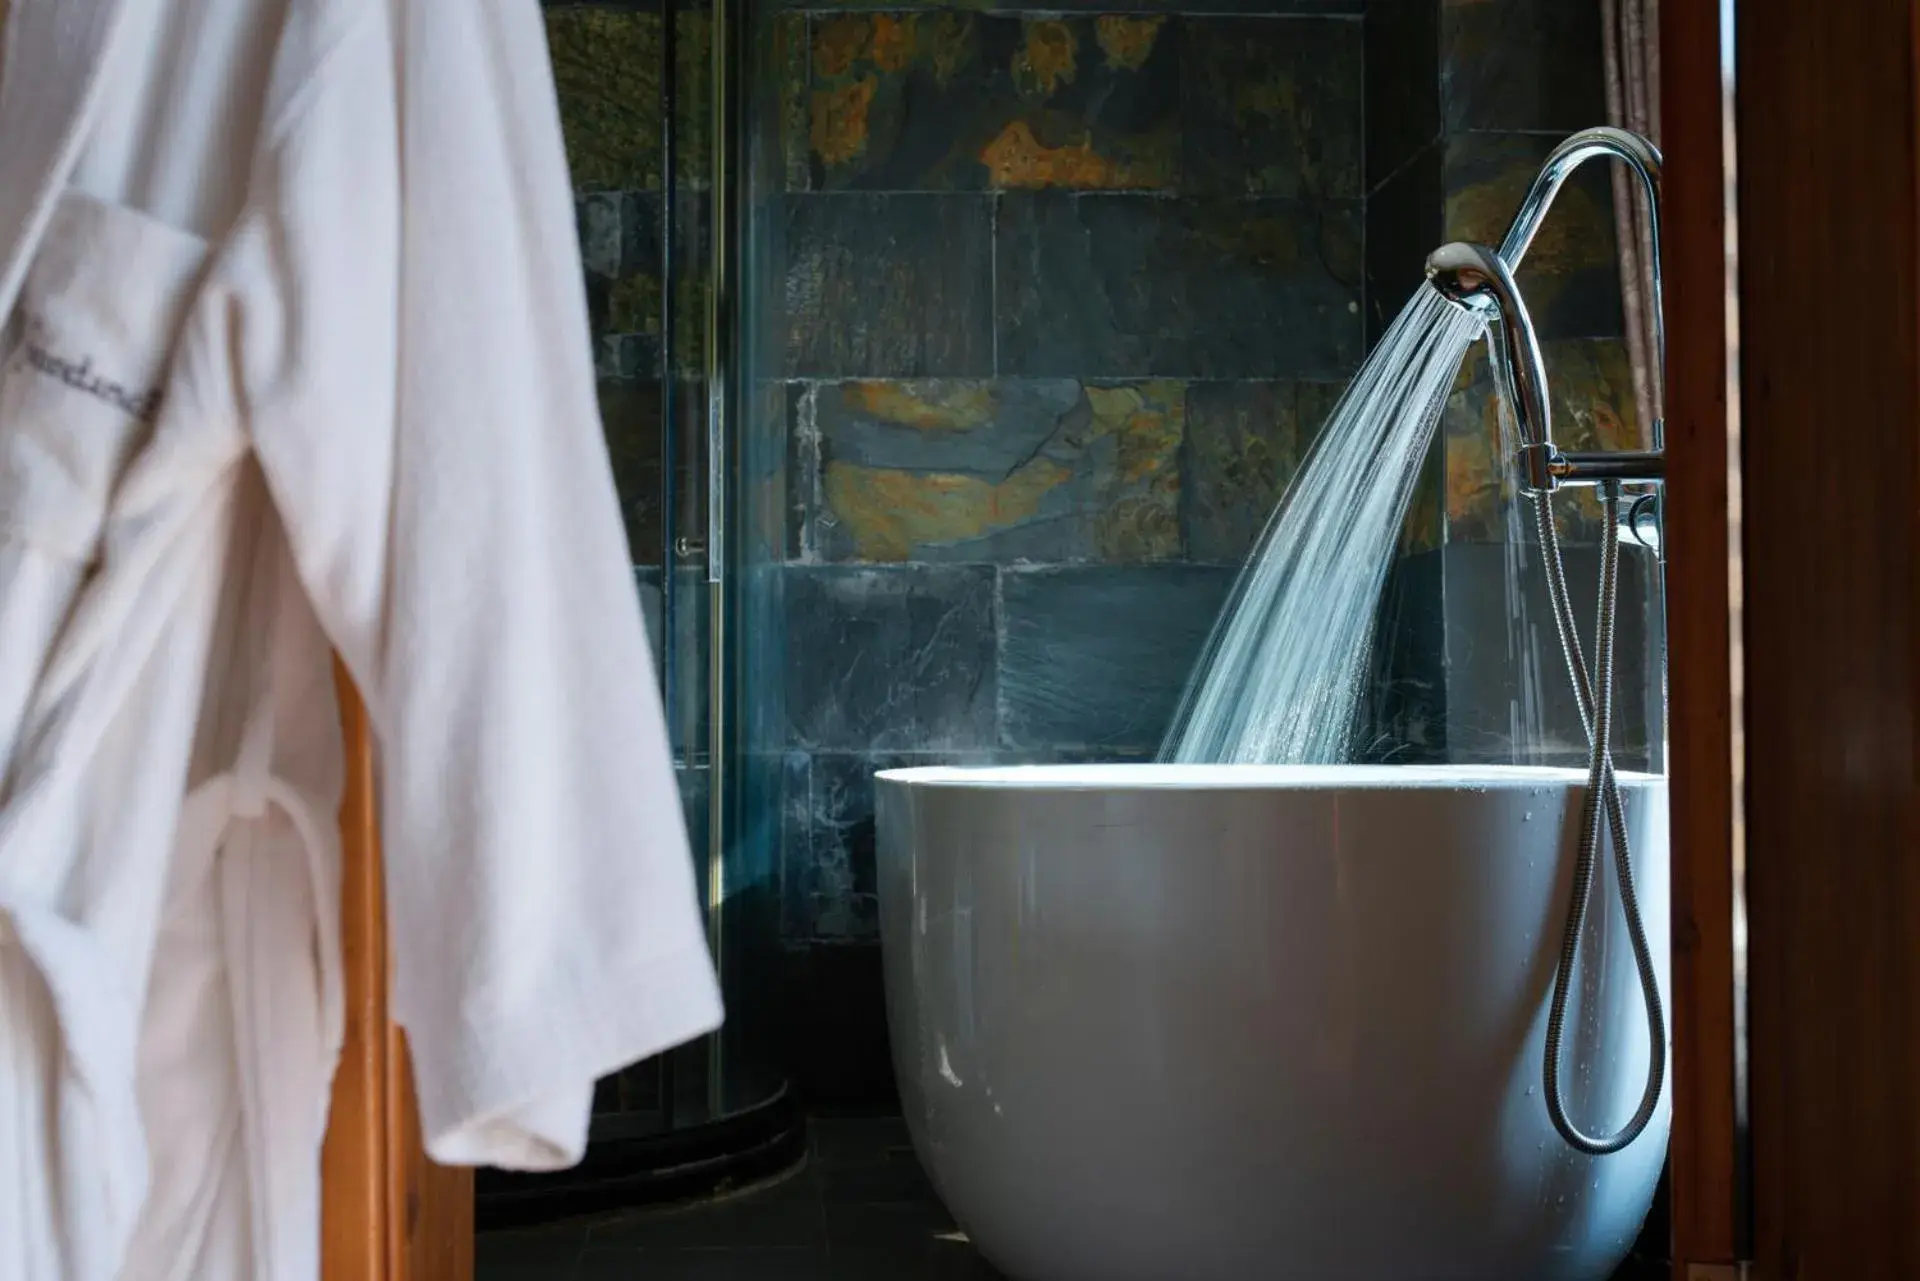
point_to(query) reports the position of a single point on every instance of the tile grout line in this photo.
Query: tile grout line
(1087, 11)
(1365, 196)
(993, 282)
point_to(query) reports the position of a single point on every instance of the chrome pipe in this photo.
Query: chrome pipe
(1620, 466)
(1638, 154)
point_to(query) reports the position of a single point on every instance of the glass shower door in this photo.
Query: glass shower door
(639, 108)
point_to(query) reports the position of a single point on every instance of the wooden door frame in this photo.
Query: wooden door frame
(387, 1213)
(1829, 179)
(1707, 1215)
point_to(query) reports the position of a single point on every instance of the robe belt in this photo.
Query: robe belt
(286, 1035)
(286, 1027)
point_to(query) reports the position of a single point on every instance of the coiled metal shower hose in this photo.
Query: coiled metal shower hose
(1601, 815)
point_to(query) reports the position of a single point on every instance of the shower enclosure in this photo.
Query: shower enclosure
(644, 93)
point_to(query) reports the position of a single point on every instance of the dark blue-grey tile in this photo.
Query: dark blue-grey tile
(1522, 64)
(1569, 277)
(621, 252)
(784, 120)
(838, 876)
(1274, 287)
(1403, 84)
(890, 659)
(887, 286)
(1098, 657)
(1403, 718)
(1271, 107)
(792, 489)
(696, 807)
(679, 661)
(629, 356)
(630, 417)
(1406, 221)
(1244, 444)
(1509, 699)
(1125, 286)
(783, 785)
(1091, 285)
(841, 889)
(761, 655)
(599, 221)
(841, 893)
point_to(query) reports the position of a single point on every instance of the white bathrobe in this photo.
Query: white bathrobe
(296, 360)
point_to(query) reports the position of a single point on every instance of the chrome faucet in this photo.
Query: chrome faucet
(1480, 279)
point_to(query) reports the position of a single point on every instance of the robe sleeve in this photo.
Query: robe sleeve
(423, 404)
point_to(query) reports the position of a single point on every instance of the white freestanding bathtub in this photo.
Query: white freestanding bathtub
(1225, 1023)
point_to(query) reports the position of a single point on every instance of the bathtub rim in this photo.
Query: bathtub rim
(1151, 777)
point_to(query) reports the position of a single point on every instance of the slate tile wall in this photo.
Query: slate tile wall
(1063, 300)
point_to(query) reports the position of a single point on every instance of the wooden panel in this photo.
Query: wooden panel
(431, 1205)
(1700, 691)
(354, 1211)
(388, 1213)
(1830, 396)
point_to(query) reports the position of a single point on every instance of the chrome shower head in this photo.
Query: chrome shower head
(1477, 279)
(1470, 276)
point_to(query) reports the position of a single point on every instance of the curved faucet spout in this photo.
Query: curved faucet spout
(1639, 155)
(1623, 145)
(1481, 280)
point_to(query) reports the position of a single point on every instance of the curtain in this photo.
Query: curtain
(1631, 39)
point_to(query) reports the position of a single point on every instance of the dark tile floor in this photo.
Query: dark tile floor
(860, 1210)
